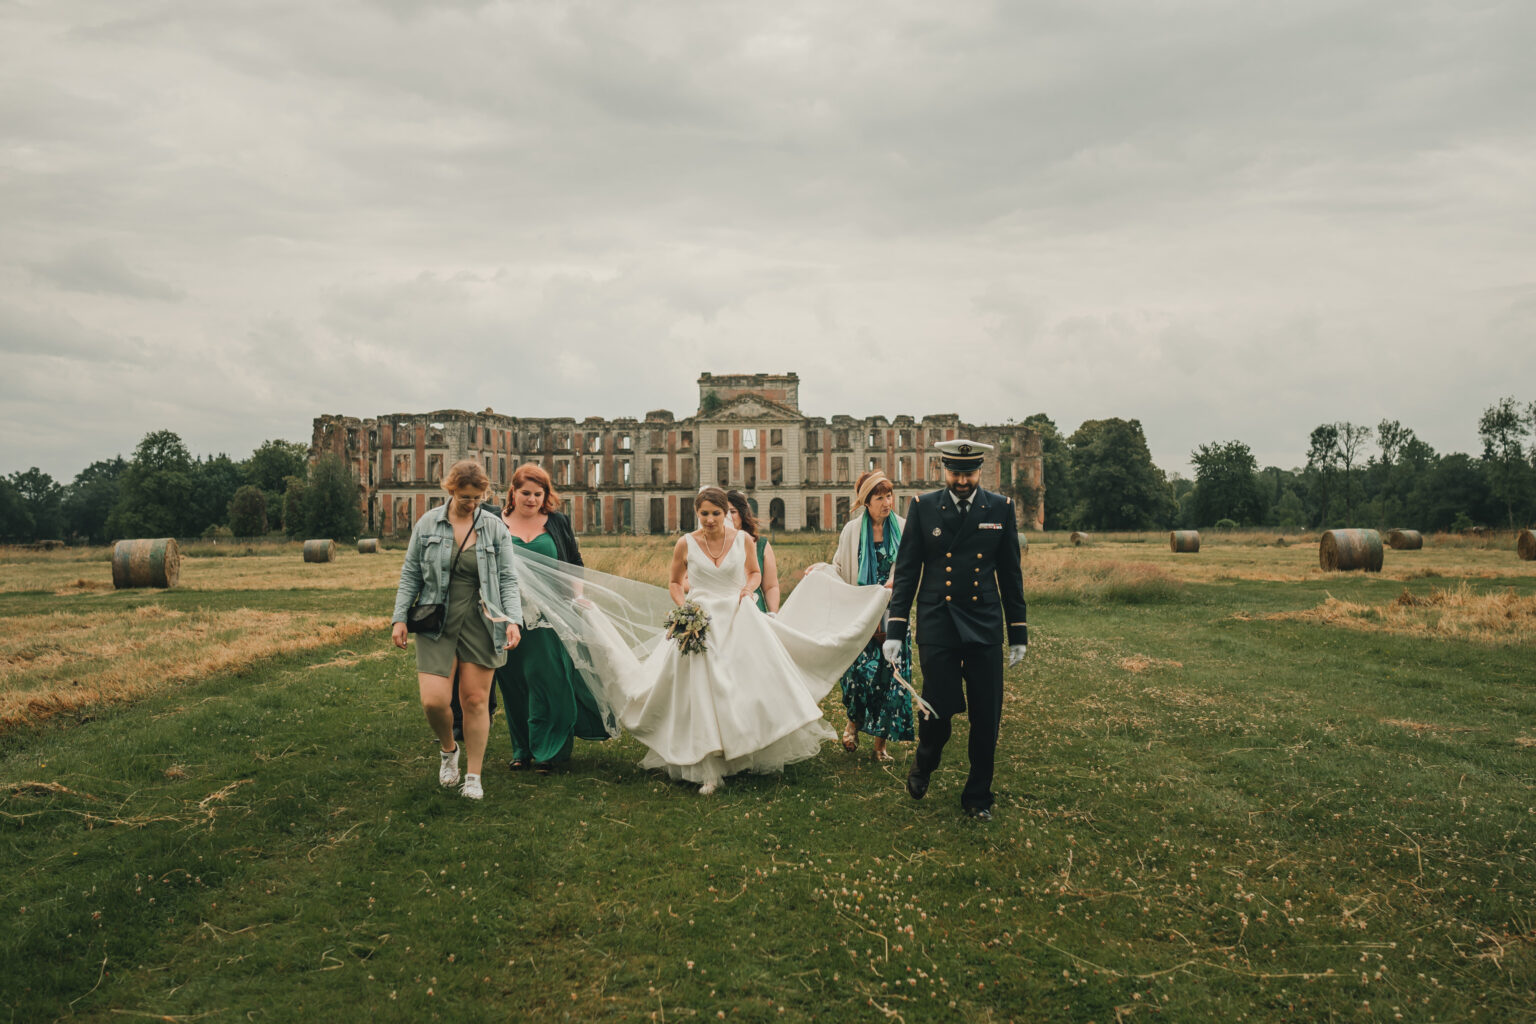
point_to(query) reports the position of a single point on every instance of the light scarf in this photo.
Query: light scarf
(869, 564)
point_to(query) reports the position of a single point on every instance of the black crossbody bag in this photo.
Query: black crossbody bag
(429, 618)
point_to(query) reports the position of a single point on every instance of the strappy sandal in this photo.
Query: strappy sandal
(850, 737)
(542, 767)
(882, 755)
(519, 764)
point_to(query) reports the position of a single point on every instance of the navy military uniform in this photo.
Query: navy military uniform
(964, 573)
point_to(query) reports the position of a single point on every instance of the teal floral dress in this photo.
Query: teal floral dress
(876, 702)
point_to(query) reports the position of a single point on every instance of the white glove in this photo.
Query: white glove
(892, 650)
(1016, 654)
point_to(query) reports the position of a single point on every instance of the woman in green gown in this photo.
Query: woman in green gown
(742, 517)
(547, 703)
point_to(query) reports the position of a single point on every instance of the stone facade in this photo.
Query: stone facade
(639, 476)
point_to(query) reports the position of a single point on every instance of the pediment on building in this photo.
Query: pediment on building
(752, 407)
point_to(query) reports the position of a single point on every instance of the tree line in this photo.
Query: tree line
(1101, 477)
(162, 491)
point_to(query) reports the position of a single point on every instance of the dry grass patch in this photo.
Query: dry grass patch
(71, 574)
(89, 571)
(61, 661)
(1182, 698)
(1069, 576)
(1459, 612)
(1138, 663)
(1275, 558)
(1412, 726)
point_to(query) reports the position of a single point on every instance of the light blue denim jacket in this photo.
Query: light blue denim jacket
(425, 572)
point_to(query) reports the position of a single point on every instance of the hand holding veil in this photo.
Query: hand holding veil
(607, 624)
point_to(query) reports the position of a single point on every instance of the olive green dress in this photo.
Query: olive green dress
(547, 702)
(762, 601)
(464, 635)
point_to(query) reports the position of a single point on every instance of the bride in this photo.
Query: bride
(748, 702)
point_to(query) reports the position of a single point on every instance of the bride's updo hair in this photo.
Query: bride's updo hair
(715, 496)
(744, 509)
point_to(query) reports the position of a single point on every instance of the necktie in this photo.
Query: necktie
(965, 506)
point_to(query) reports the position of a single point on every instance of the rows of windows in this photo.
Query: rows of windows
(497, 469)
(751, 438)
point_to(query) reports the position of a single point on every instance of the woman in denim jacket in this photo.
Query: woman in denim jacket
(461, 558)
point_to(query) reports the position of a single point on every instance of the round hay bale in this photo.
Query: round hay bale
(368, 546)
(146, 563)
(319, 551)
(1405, 540)
(1023, 544)
(1346, 550)
(1184, 541)
(1526, 545)
(1078, 538)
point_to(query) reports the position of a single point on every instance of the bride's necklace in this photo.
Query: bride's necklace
(715, 559)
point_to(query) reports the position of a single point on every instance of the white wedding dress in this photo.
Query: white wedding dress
(749, 702)
(746, 703)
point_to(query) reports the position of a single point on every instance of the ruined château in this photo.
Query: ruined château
(640, 475)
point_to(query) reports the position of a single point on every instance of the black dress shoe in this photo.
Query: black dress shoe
(917, 785)
(978, 813)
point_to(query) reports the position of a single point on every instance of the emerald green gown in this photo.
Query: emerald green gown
(547, 703)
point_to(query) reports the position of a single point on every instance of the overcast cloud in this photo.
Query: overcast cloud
(1229, 220)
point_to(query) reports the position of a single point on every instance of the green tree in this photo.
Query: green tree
(1455, 487)
(1118, 487)
(248, 512)
(156, 492)
(1183, 490)
(1323, 462)
(330, 500)
(1386, 486)
(270, 466)
(1056, 472)
(15, 523)
(1289, 511)
(293, 507)
(88, 501)
(217, 479)
(1352, 441)
(1503, 428)
(41, 500)
(1225, 485)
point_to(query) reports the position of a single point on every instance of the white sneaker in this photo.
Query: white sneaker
(472, 789)
(448, 767)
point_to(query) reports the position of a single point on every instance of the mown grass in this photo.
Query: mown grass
(1206, 812)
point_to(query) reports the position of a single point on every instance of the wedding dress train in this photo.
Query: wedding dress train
(749, 702)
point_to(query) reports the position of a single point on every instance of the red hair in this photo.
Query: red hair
(532, 472)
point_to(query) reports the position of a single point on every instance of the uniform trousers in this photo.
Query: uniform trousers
(980, 668)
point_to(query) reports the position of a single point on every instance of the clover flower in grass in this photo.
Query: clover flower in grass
(688, 624)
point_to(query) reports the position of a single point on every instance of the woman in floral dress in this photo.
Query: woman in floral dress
(877, 704)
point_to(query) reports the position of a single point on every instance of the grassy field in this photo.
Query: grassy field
(1231, 787)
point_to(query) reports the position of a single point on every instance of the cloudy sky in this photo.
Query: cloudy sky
(1231, 220)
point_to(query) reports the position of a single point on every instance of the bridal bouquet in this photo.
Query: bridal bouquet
(688, 625)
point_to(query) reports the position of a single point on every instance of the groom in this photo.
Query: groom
(959, 557)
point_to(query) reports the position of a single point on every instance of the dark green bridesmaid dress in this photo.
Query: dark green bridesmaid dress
(547, 703)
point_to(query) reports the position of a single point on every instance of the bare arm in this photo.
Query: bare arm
(770, 579)
(754, 571)
(677, 586)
